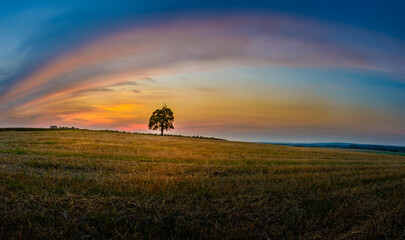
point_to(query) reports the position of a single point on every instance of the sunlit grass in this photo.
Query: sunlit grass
(74, 184)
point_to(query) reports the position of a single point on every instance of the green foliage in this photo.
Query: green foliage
(161, 119)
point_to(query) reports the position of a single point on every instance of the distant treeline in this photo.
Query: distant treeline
(54, 127)
(373, 147)
(24, 129)
(58, 127)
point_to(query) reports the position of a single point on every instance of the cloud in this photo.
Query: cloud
(148, 79)
(206, 89)
(200, 43)
(101, 90)
(129, 83)
(196, 44)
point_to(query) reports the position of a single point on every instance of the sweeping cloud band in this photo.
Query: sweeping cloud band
(245, 40)
(118, 62)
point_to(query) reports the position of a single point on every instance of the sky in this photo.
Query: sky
(277, 71)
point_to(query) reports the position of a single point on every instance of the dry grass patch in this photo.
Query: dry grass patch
(91, 185)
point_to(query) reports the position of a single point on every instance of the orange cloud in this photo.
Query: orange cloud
(62, 91)
(199, 44)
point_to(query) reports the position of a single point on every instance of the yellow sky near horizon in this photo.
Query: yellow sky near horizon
(201, 109)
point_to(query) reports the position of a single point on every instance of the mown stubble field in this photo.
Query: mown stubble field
(80, 184)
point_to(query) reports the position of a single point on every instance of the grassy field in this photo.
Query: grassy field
(91, 185)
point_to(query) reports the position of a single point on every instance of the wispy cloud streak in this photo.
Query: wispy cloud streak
(196, 43)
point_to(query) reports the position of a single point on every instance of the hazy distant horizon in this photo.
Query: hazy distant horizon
(230, 137)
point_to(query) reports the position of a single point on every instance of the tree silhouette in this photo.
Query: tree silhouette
(161, 119)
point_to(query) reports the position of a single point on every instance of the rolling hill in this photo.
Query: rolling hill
(91, 184)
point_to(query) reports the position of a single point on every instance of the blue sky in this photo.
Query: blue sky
(278, 71)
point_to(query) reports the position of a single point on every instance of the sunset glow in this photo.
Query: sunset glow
(245, 75)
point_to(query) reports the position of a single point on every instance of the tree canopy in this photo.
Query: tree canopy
(161, 119)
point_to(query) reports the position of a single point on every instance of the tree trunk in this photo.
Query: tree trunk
(161, 133)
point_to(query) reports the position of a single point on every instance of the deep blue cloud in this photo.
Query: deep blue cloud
(33, 33)
(80, 21)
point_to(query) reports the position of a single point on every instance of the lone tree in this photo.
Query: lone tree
(161, 119)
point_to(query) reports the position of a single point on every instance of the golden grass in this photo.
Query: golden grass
(86, 184)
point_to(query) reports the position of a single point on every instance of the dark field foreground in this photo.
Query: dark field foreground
(91, 185)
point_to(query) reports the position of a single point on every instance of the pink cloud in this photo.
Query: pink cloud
(193, 43)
